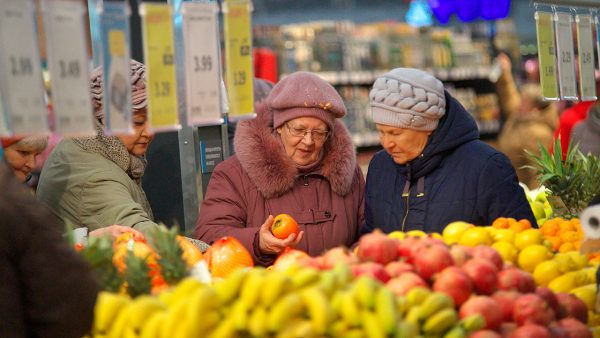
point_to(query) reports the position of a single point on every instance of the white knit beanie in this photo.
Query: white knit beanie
(408, 98)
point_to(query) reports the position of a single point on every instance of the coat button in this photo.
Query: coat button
(327, 214)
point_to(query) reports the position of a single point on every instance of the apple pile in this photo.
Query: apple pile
(476, 278)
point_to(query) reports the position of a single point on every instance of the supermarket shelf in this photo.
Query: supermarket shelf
(365, 77)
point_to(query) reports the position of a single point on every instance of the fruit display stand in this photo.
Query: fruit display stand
(503, 280)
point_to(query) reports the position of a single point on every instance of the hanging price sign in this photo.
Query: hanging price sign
(3, 124)
(68, 65)
(202, 74)
(238, 57)
(566, 56)
(546, 55)
(159, 53)
(585, 46)
(21, 82)
(115, 59)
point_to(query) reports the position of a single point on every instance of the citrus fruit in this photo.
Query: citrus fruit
(528, 237)
(416, 233)
(504, 235)
(397, 235)
(507, 250)
(531, 256)
(475, 236)
(454, 230)
(283, 226)
(545, 272)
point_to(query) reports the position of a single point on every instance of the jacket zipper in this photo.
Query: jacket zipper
(407, 195)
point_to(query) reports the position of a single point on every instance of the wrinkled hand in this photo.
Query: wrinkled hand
(504, 61)
(270, 244)
(115, 231)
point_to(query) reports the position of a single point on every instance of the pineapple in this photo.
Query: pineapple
(99, 253)
(170, 260)
(137, 275)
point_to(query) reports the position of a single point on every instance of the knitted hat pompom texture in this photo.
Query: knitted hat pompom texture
(408, 98)
(304, 94)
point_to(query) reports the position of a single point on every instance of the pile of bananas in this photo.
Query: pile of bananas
(300, 302)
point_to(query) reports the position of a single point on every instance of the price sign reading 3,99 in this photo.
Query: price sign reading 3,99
(67, 61)
(21, 85)
(202, 75)
(159, 52)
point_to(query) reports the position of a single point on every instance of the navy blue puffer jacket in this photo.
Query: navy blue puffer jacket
(457, 178)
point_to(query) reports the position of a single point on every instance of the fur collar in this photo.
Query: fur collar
(273, 173)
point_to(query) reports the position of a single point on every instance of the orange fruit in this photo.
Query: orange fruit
(555, 242)
(283, 226)
(569, 236)
(549, 229)
(500, 223)
(566, 226)
(566, 247)
(520, 226)
(191, 254)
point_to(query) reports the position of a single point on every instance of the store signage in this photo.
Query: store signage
(211, 154)
(238, 57)
(585, 46)
(65, 29)
(546, 55)
(565, 55)
(3, 124)
(202, 63)
(21, 84)
(116, 75)
(159, 53)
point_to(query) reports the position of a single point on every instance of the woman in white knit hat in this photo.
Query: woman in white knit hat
(434, 169)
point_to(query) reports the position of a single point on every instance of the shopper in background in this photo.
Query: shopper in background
(261, 90)
(95, 182)
(530, 120)
(20, 154)
(434, 169)
(294, 158)
(46, 289)
(586, 133)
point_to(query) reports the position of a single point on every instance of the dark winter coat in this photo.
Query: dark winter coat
(457, 178)
(46, 289)
(261, 180)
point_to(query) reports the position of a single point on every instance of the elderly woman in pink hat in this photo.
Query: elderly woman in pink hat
(295, 158)
(95, 182)
(20, 153)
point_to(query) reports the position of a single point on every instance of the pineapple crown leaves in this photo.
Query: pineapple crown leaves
(137, 275)
(165, 243)
(98, 254)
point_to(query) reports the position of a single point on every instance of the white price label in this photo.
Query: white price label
(202, 64)
(68, 66)
(585, 46)
(3, 125)
(21, 74)
(566, 56)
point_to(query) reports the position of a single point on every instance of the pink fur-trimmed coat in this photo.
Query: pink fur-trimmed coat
(261, 180)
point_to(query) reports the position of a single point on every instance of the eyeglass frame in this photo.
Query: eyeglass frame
(305, 132)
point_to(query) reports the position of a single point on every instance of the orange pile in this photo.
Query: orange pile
(564, 235)
(511, 224)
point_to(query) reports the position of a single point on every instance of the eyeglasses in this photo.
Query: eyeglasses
(317, 135)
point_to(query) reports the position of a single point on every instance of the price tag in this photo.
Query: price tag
(566, 56)
(3, 124)
(115, 59)
(238, 57)
(546, 55)
(21, 81)
(159, 53)
(202, 74)
(68, 65)
(585, 46)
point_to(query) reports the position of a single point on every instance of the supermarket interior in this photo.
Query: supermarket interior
(312, 168)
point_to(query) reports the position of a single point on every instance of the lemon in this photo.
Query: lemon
(564, 283)
(528, 237)
(475, 236)
(397, 235)
(580, 261)
(504, 235)
(533, 255)
(454, 230)
(545, 272)
(587, 294)
(507, 250)
(416, 233)
(436, 235)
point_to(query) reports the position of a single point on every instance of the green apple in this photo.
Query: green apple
(541, 196)
(538, 209)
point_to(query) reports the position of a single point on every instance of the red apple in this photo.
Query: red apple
(550, 297)
(432, 259)
(454, 282)
(338, 255)
(485, 334)
(571, 306)
(395, 269)
(507, 328)
(406, 281)
(512, 278)
(371, 269)
(556, 331)
(506, 300)
(377, 247)
(532, 309)
(530, 331)
(460, 254)
(483, 274)
(574, 328)
(488, 253)
(487, 307)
